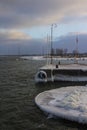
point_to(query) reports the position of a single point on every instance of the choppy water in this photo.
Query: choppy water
(17, 92)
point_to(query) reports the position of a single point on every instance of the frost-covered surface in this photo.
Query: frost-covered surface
(63, 77)
(57, 59)
(68, 66)
(67, 102)
(33, 57)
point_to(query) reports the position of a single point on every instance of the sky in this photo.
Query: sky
(26, 24)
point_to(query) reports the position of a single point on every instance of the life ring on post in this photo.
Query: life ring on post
(41, 76)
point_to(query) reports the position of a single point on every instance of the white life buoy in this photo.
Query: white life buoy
(41, 76)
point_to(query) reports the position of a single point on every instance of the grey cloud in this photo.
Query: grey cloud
(25, 13)
(25, 46)
(38, 46)
(69, 42)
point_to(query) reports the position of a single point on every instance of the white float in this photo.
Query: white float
(67, 102)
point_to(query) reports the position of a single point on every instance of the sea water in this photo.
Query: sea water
(18, 90)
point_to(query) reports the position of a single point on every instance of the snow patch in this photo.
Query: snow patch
(68, 102)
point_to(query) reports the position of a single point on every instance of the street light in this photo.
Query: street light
(53, 25)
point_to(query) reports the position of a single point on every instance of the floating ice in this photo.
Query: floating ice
(67, 102)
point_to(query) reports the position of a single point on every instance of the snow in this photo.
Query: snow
(68, 66)
(63, 60)
(48, 66)
(67, 102)
(33, 58)
(62, 77)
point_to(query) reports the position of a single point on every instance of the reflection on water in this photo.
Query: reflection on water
(17, 92)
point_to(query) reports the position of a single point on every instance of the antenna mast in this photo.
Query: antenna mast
(77, 45)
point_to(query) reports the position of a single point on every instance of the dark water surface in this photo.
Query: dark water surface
(17, 92)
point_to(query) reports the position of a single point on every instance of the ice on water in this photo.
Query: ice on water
(67, 102)
(73, 100)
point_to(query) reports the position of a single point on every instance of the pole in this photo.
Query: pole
(51, 43)
(76, 60)
(77, 45)
(53, 25)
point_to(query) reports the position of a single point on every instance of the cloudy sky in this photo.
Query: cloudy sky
(25, 24)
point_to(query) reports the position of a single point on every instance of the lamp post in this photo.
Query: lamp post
(53, 25)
